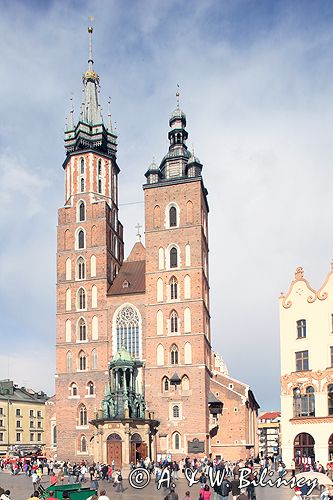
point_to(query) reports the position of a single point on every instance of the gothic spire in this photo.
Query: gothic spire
(91, 109)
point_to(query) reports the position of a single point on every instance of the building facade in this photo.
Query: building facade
(306, 339)
(22, 419)
(269, 433)
(154, 304)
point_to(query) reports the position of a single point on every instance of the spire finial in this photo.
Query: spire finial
(71, 114)
(90, 31)
(109, 114)
(177, 95)
(138, 235)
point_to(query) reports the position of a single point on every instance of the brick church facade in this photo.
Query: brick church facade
(154, 304)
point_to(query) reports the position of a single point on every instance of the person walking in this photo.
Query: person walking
(103, 496)
(224, 490)
(235, 491)
(94, 481)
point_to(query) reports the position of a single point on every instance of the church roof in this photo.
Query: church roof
(138, 252)
(123, 355)
(130, 279)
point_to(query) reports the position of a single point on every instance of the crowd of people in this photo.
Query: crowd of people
(48, 473)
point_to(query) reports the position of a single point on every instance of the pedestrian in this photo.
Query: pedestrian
(5, 495)
(242, 495)
(34, 479)
(235, 491)
(297, 495)
(119, 482)
(187, 496)
(292, 467)
(103, 496)
(34, 496)
(94, 481)
(205, 493)
(224, 490)
(51, 495)
(172, 495)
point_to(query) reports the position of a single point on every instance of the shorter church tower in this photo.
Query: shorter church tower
(178, 348)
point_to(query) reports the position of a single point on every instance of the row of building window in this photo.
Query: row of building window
(74, 391)
(304, 404)
(81, 268)
(19, 424)
(81, 298)
(302, 360)
(81, 330)
(301, 328)
(82, 176)
(172, 216)
(172, 356)
(173, 322)
(82, 364)
(19, 437)
(18, 412)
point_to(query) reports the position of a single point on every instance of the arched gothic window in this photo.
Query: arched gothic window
(127, 330)
(173, 217)
(82, 166)
(82, 330)
(73, 389)
(80, 239)
(69, 362)
(81, 299)
(54, 436)
(83, 447)
(176, 441)
(82, 361)
(173, 257)
(91, 389)
(175, 411)
(173, 288)
(165, 384)
(174, 355)
(82, 185)
(83, 420)
(82, 211)
(99, 167)
(99, 186)
(174, 322)
(81, 269)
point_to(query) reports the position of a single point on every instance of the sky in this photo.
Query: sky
(256, 85)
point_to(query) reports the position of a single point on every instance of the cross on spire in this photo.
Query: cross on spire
(177, 95)
(138, 235)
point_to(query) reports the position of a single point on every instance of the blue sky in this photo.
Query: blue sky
(256, 85)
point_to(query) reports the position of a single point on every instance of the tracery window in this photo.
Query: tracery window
(81, 299)
(83, 447)
(174, 322)
(91, 388)
(83, 420)
(73, 389)
(81, 269)
(127, 326)
(82, 166)
(82, 361)
(82, 185)
(173, 288)
(174, 355)
(82, 330)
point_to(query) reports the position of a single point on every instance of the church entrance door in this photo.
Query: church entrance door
(114, 450)
(138, 448)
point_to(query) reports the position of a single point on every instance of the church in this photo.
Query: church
(136, 375)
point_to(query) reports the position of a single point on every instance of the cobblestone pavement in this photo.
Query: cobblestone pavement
(21, 489)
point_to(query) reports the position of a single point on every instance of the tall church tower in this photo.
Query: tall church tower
(178, 347)
(90, 253)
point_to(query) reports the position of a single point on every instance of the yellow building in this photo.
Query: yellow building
(306, 338)
(22, 418)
